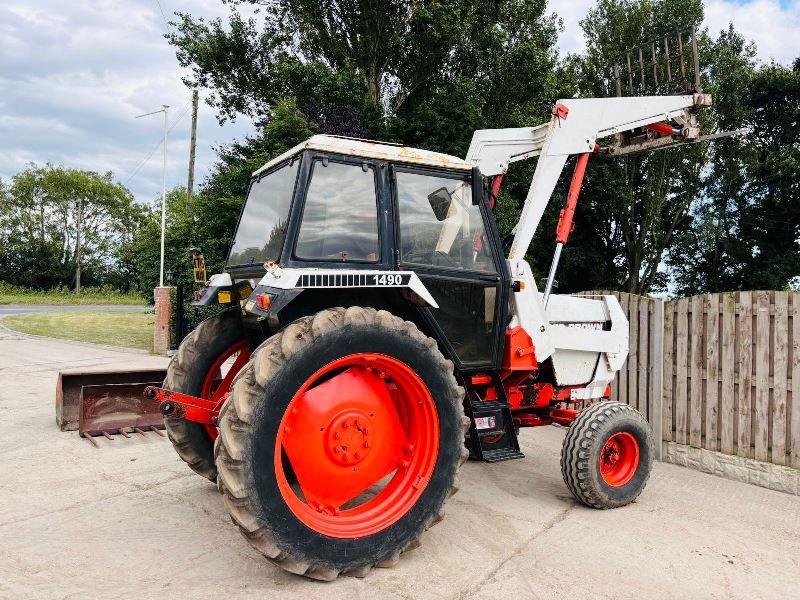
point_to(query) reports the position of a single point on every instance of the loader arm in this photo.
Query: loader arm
(574, 128)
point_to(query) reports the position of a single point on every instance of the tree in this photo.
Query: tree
(746, 229)
(702, 257)
(418, 72)
(61, 225)
(425, 74)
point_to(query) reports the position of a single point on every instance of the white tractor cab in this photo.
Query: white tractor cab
(376, 326)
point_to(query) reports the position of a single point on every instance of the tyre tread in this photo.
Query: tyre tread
(269, 357)
(579, 444)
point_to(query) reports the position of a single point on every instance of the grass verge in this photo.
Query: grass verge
(60, 296)
(131, 329)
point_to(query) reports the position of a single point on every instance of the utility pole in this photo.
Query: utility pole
(192, 146)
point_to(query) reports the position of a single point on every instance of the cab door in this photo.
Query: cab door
(445, 233)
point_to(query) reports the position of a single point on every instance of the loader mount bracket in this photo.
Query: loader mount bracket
(184, 406)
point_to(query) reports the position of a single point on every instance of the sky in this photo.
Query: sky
(75, 74)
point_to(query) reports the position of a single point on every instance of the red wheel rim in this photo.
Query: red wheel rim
(619, 459)
(215, 385)
(359, 422)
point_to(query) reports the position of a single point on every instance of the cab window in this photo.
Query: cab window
(262, 224)
(340, 216)
(439, 224)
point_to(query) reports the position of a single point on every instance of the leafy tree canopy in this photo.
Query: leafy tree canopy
(745, 228)
(38, 227)
(427, 73)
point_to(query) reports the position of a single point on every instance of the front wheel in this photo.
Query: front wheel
(341, 442)
(607, 455)
(204, 366)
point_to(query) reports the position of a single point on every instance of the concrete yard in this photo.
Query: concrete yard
(129, 520)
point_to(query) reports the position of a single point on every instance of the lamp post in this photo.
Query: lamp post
(165, 110)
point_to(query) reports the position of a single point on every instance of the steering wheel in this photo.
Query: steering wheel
(436, 258)
(419, 256)
(443, 259)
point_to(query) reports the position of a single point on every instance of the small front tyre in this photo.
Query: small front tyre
(607, 455)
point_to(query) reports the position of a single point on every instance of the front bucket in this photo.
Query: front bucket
(99, 401)
(117, 408)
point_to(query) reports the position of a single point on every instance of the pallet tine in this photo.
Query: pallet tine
(655, 63)
(630, 74)
(107, 435)
(696, 61)
(137, 430)
(158, 431)
(123, 432)
(91, 439)
(641, 66)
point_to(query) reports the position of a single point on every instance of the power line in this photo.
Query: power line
(163, 15)
(143, 162)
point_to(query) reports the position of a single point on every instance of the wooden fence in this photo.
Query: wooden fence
(717, 371)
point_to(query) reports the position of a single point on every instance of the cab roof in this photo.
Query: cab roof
(371, 149)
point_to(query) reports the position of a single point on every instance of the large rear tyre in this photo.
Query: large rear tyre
(204, 366)
(607, 455)
(365, 410)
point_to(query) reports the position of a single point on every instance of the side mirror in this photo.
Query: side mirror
(440, 201)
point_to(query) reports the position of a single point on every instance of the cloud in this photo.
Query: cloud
(74, 74)
(571, 13)
(774, 25)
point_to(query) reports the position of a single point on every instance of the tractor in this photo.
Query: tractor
(374, 334)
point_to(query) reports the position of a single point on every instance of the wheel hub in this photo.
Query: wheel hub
(349, 438)
(619, 459)
(362, 438)
(610, 454)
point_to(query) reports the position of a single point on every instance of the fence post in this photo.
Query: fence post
(656, 391)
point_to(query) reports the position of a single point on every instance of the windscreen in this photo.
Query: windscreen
(262, 226)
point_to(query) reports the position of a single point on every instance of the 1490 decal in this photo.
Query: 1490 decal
(390, 279)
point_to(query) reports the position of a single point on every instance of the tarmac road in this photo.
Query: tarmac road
(129, 520)
(9, 309)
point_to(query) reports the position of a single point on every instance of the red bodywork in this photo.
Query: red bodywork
(186, 407)
(532, 403)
